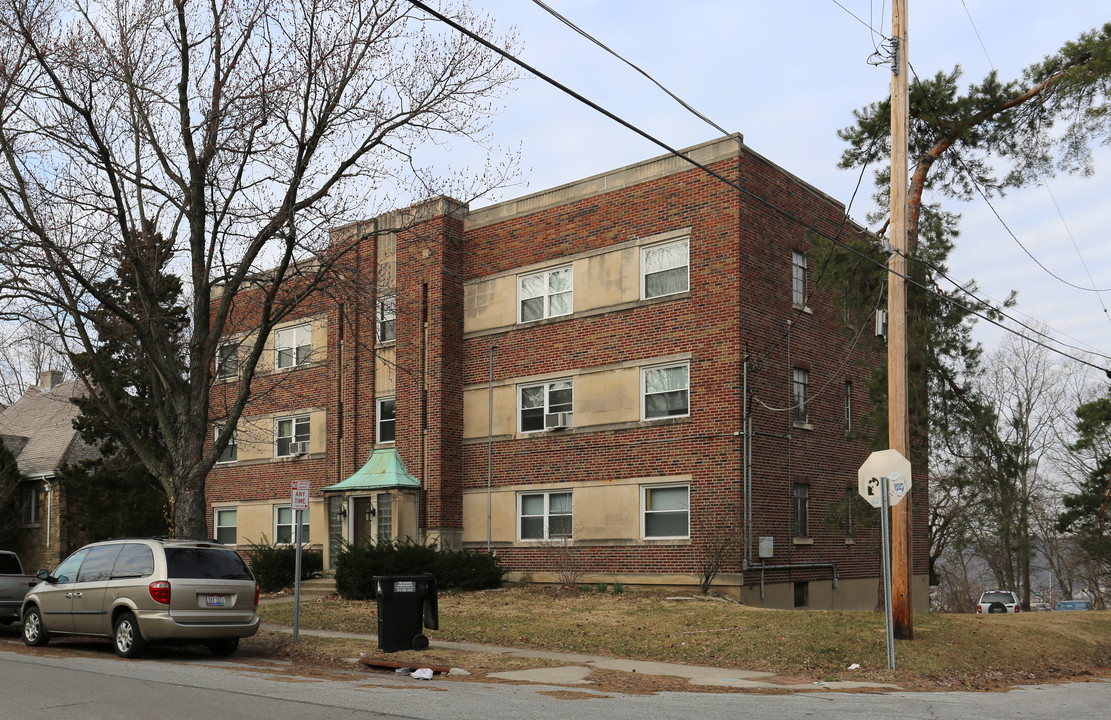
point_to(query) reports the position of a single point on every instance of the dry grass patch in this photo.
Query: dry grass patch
(950, 651)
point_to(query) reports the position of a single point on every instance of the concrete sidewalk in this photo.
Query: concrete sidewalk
(578, 667)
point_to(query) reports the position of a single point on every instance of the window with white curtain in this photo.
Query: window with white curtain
(665, 391)
(292, 346)
(387, 318)
(545, 516)
(544, 294)
(798, 279)
(665, 269)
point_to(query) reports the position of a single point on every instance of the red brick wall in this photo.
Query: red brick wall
(740, 301)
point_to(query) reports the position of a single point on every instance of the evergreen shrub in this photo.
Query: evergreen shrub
(275, 566)
(356, 567)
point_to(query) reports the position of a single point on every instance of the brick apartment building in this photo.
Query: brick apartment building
(566, 370)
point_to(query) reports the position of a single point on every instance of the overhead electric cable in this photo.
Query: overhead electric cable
(626, 124)
(975, 30)
(602, 45)
(983, 194)
(1048, 189)
(719, 128)
(859, 19)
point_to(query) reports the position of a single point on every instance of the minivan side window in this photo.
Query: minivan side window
(98, 563)
(135, 561)
(67, 571)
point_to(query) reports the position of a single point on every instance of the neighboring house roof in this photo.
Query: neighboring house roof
(38, 429)
(384, 469)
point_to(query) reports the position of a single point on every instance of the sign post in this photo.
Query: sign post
(884, 479)
(885, 532)
(299, 502)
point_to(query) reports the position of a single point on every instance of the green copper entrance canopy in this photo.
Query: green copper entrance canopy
(384, 469)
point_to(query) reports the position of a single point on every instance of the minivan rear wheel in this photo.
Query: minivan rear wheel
(34, 632)
(129, 642)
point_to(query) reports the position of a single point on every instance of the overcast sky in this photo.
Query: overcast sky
(788, 75)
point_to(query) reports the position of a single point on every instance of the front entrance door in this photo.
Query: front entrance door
(363, 521)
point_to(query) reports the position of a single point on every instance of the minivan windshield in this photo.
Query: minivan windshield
(213, 563)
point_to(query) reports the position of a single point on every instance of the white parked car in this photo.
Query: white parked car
(998, 601)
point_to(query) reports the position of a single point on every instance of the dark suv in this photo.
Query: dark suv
(141, 590)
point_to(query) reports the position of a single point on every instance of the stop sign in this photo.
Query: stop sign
(889, 466)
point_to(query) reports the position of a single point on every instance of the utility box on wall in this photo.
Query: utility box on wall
(766, 547)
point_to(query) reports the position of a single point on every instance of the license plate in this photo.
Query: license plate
(217, 601)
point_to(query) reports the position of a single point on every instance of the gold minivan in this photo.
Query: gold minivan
(143, 590)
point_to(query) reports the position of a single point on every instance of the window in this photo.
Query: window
(666, 391)
(291, 436)
(387, 318)
(666, 511)
(67, 571)
(850, 497)
(227, 361)
(32, 503)
(798, 279)
(799, 383)
(284, 525)
(545, 516)
(225, 526)
(292, 346)
(802, 510)
(385, 518)
(536, 401)
(135, 561)
(802, 594)
(665, 269)
(848, 407)
(98, 564)
(544, 294)
(387, 422)
(231, 452)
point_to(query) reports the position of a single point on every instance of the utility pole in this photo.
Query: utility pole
(898, 427)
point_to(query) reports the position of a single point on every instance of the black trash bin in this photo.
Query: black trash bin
(406, 605)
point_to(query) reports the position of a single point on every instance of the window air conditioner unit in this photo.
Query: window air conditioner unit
(558, 421)
(299, 448)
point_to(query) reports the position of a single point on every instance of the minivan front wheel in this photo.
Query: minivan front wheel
(129, 642)
(34, 632)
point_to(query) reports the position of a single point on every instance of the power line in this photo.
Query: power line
(991, 206)
(975, 30)
(619, 120)
(744, 191)
(602, 45)
(723, 131)
(859, 19)
(1053, 198)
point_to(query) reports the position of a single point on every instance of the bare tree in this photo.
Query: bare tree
(565, 559)
(719, 548)
(240, 132)
(26, 351)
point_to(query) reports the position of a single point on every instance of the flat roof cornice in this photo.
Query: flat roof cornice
(706, 153)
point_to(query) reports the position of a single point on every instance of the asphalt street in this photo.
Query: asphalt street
(178, 684)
